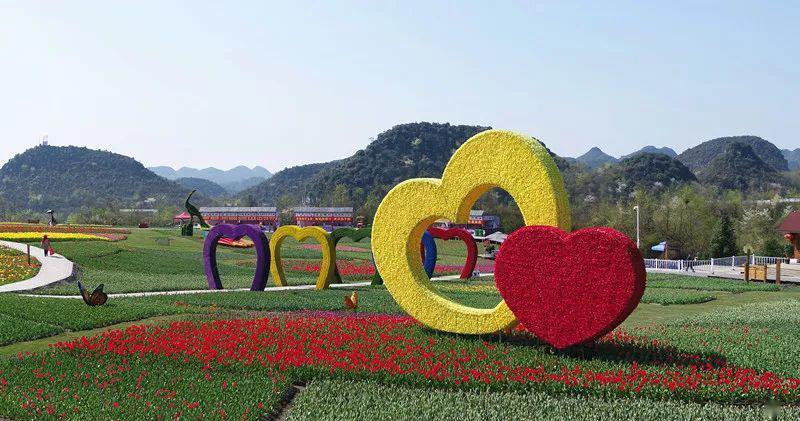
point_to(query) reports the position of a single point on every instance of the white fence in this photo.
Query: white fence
(710, 265)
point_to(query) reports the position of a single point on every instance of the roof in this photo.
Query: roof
(238, 209)
(497, 237)
(184, 215)
(474, 213)
(313, 209)
(791, 223)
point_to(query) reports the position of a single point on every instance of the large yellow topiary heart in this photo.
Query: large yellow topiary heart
(300, 234)
(518, 164)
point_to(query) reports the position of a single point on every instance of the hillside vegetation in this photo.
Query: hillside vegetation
(66, 178)
(701, 155)
(206, 187)
(595, 158)
(290, 184)
(738, 167)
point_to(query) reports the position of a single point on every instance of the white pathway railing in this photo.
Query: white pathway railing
(710, 265)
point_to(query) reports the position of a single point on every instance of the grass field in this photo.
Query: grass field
(695, 348)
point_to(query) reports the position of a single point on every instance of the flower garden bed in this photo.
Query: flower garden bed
(14, 266)
(34, 236)
(238, 367)
(78, 229)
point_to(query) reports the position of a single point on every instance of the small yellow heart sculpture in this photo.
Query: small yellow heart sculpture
(518, 164)
(300, 234)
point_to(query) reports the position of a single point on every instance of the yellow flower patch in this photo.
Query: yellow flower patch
(54, 236)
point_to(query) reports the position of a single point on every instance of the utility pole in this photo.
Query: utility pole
(638, 242)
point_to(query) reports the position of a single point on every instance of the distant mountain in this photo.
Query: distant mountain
(792, 157)
(652, 149)
(402, 152)
(234, 179)
(739, 167)
(595, 158)
(66, 178)
(234, 187)
(651, 171)
(206, 187)
(700, 156)
(291, 182)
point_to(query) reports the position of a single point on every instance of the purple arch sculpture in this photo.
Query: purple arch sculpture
(236, 232)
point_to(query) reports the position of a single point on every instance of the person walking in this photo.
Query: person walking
(47, 246)
(689, 263)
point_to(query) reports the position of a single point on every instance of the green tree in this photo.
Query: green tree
(284, 205)
(723, 241)
(340, 196)
(772, 247)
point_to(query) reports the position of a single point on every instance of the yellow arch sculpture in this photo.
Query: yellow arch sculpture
(516, 163)
(300, 234)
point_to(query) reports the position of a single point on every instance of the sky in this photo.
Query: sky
(194, 83)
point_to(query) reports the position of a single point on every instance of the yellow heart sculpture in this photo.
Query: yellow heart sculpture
(518, 164)
(300, 234)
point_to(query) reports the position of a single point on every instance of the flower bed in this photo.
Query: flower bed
(214, 366)
(14, 266)
(78, 229)
(54, 236)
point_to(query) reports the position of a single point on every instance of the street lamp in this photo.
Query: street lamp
(638, 243)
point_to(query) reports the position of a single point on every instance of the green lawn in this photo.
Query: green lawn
(327, 399)
(747, 325)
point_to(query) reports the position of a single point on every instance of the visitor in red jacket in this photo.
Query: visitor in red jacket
(47, 246)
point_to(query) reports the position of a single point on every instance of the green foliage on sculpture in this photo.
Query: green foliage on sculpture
(187, 230)
(194, 212)
(355, 234)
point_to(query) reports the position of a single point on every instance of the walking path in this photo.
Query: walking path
(207, 291)
(54, 269)
(203, 291)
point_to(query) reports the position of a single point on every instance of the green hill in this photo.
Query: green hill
(651, 171)
(666, 150)
(738, 167)
(701, 155)
(65, 178)
(405, 151)
(402, 152)
(792, 157)
(291, 183)
(595, 158)
(206, 187)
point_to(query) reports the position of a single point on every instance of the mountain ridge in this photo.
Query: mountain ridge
(233, 180)
(595, 158)
(700, 156)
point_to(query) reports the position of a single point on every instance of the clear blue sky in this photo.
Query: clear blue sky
(226, 83)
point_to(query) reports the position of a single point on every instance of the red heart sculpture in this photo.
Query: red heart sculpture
(469, 241)
(573, 288)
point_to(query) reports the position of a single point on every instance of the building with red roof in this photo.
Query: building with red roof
(790, 226)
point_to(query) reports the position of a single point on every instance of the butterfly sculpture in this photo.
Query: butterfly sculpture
(96, 298)
(351, 302)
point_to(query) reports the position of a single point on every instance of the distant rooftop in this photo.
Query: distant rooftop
(238, 209)
(312, 209)
(791, 223)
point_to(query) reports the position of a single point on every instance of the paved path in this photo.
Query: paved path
(54, 269)
(212, 291)
(203, 291)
